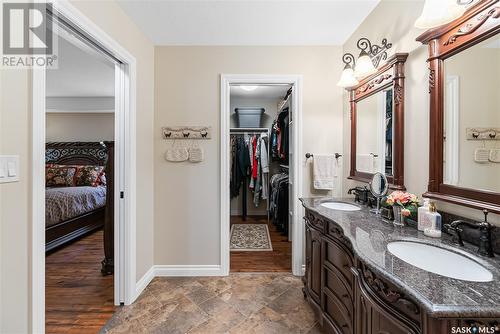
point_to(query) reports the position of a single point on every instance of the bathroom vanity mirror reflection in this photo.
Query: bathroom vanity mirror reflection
(374, 146)
(471, 135)
(464, 115)
(377, 124)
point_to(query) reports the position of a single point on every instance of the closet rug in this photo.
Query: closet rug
(250, 238)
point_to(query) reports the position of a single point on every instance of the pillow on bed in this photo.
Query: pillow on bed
(59, 176)
(88, 176)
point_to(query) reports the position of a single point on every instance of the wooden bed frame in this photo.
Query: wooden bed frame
(85, 153)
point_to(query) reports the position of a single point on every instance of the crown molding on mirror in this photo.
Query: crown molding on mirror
(390, 74)
(477, 24)
(480, 22)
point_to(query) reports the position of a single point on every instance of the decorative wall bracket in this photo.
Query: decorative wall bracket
(376, 52)
(187, 132)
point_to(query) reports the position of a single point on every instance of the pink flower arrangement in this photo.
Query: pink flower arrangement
(402, 199)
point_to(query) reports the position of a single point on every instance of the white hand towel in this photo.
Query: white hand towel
(323, 172)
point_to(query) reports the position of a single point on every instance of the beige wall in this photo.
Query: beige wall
(15, 136)
(80, 127)
(399, 30)
(187, 196)
(15, 206)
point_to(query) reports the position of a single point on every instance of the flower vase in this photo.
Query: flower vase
(398, 216)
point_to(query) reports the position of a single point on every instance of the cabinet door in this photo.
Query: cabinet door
(313, 262)
(372, 318)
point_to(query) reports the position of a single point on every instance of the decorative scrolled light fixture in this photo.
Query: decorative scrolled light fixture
(368, 60)
(439, 12)
(347, 78)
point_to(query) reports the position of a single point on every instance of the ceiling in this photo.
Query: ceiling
(81, 72)
(244, 22)
(262, 92)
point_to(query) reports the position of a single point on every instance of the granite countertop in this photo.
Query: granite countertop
(440, 296)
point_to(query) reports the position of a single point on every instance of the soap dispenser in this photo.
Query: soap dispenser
(421, 215)
(432, 218)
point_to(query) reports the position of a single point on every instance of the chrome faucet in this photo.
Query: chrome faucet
(485, 245)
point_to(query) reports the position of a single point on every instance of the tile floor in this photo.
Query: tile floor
(239, 303)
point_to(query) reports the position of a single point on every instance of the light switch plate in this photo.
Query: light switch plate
(9, 168)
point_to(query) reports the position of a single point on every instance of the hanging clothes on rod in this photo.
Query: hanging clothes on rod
(249, 164)
(278, 206)
(279, 136)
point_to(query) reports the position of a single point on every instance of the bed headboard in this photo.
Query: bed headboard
(77, 153)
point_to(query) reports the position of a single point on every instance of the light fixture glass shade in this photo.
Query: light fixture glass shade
(439, 12)
(364, 66)
(347, 78)
(249, 88)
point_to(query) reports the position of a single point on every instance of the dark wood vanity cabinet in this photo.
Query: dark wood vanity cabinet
(337, 288)
(351, 298)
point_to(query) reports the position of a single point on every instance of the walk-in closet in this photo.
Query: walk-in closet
(260, 188)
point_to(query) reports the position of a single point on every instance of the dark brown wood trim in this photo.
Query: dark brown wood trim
(480, 22)
(391, 74)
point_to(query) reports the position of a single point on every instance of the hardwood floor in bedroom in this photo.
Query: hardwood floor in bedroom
(279, 260)
(78, 299)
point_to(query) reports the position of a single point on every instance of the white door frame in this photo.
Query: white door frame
(297, 167)
(125, 180)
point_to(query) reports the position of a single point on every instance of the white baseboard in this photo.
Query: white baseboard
(188, 270)
(144, 281)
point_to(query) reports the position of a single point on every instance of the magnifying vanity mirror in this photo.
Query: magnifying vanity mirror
(379, 188)
(377, 124)
(464, 87)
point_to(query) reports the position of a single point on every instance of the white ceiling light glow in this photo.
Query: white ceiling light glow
(249, 88)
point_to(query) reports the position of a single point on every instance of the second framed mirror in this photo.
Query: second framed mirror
(377, 124)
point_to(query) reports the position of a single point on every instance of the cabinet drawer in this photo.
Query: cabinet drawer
(337, 313)
(336, 286)
(335, 255)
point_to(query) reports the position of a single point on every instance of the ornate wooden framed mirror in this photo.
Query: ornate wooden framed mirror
(377, 124)
(464, 87)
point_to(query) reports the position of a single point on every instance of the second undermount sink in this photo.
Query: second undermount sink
(341, 206)
(440, 261)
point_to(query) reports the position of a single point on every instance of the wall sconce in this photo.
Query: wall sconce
(368, 60)
(439, 12)
(347, 78)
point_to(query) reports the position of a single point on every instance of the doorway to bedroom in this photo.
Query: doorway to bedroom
(79, 179)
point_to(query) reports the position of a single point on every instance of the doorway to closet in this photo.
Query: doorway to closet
(260, 187)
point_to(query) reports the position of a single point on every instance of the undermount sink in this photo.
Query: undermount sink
(440, 261)
(341, 206)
